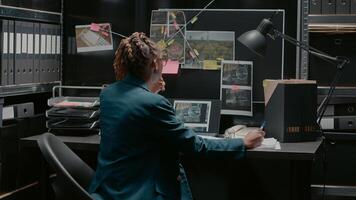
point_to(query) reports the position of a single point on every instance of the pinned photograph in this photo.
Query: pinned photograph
(194, 114)
(236, 102)
(236, 88)
(90, 39)
(237, 73)
(206, 49)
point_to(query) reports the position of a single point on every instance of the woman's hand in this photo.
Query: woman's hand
(160, 85)
(254, 138)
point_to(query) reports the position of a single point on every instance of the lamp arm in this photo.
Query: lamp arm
(331, 59)
(340, 62)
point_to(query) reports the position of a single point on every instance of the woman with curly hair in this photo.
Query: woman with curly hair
(141, 138)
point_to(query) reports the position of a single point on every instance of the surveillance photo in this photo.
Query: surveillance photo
(234, 101)
(236, 74)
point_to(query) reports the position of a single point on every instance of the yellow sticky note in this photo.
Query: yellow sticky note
(210, 65)
(170, 42)
(194, 20)
(196, 52)
(161, 44)
(173, 15)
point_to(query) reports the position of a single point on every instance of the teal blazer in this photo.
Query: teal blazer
(141, 140)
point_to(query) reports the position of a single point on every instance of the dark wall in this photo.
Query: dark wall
(47, 5)
(93, 68)
(127, 16)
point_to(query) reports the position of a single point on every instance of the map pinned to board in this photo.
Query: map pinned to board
(211, 47)
(93, 38)
(168, 31)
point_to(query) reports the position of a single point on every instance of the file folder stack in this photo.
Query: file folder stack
(73, 115)
(30, 52)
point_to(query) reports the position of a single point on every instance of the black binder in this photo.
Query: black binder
(328, 6)
(353, 7)
(30, 50)
(36, 55)
(314, 6)
(4, 52)
(343, 6)
(49, 53)
(58, 53)
(11, 56)
(53, 52)
(27, 65)
(43, 54)
(18, 53)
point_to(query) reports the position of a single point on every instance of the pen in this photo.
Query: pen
(263, 125)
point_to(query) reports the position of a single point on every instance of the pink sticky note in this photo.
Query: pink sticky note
(171, 67)
(192, 54)
(94, 27)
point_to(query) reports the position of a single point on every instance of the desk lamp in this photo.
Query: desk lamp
(256, 41)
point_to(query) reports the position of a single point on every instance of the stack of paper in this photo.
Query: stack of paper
(270, 143)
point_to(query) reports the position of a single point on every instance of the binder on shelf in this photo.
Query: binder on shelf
(353, 7)
(24, 72)
(4, 52)
(36, 53)
(11, 56)
(43, 56)
(49, 53)
(27, 51)
(53, 53)
(343, 6)
(58, 53)
(315, 7)
(328, 6)
(18, 53)
(30, 49)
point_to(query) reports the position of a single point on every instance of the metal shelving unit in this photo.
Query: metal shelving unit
(332, 23)
(24, 89)
(16, 13)
(29, 14)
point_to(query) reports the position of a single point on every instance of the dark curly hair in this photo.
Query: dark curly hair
(135, 55)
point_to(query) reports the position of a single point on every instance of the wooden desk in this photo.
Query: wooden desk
(278, 174)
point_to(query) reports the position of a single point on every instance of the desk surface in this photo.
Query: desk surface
(289, 151)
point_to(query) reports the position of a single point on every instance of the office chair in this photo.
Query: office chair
(73, 175)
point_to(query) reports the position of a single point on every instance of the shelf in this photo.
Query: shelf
(25, 89)
(332, 23)
(332, 19)
(339, 91)
(29, 14)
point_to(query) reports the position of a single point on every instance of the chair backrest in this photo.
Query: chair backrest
(73, 175)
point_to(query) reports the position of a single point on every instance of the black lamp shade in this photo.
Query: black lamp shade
(255, 41)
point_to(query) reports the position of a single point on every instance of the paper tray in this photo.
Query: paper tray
(74, 102)
(72, 124)
(73, 113)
